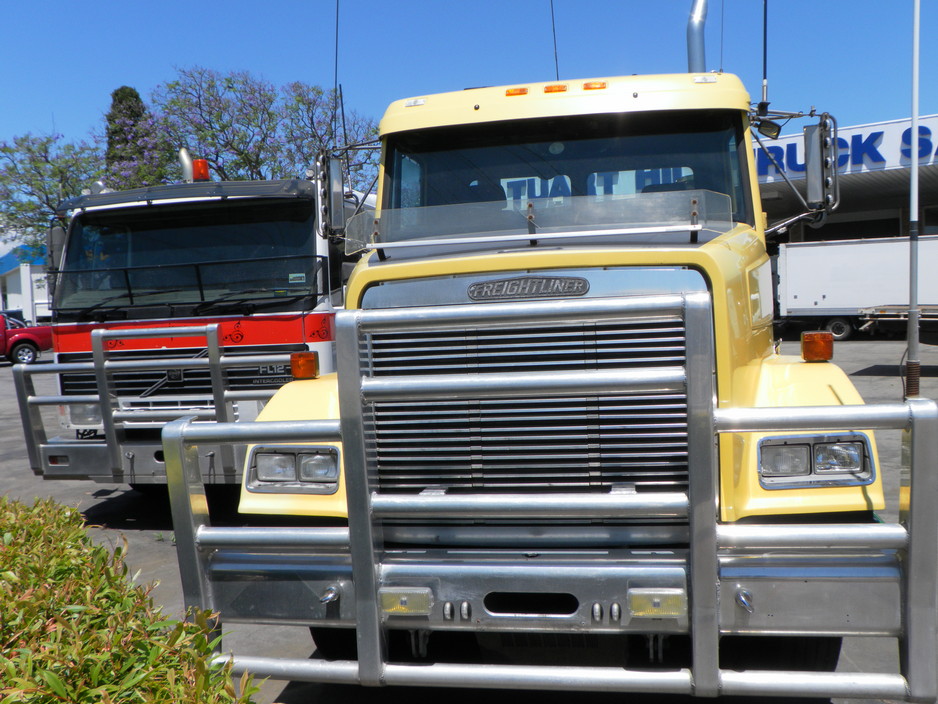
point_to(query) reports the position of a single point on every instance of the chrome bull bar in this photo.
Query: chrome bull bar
(914, 537)
(103, 366)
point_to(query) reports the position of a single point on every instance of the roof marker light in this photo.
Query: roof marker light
(556, 88)
(200, 170)
(594, 85)
(414, 102)
(516, 91)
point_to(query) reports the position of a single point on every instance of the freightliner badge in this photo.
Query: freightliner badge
(529, 287)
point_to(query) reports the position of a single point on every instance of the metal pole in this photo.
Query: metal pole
(765, 51)
(913, 364)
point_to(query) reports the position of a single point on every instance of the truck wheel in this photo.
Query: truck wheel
(841, 328)
(24, 353)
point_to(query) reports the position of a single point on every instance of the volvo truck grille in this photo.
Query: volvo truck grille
(174, 380)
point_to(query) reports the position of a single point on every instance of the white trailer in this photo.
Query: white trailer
(847, 285)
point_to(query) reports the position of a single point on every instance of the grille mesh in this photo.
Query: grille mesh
(562, 444)
(154, 382)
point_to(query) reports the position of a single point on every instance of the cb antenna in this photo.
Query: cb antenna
(764, 105)
(553, 27)
(335, 79)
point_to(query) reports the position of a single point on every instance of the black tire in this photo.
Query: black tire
(840, 328)
(24, 353)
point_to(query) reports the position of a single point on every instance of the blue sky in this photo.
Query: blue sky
(61, 59)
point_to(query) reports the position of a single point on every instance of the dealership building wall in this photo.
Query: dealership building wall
(875, 171)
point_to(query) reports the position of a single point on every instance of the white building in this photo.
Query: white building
(23, 286)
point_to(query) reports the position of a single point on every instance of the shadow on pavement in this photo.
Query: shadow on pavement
(893, 370)
(147, 508)
(304, 693)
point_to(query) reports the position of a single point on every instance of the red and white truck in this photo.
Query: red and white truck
(174, 300)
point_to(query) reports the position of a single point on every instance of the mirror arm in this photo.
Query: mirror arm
(781, 172)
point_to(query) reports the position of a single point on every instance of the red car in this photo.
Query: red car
(22, 343)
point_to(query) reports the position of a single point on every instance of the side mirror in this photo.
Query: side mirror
(335, 182)
(55, 243)
(820, 160)
(768, 128)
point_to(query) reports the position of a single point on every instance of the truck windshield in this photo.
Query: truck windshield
(207, 254)
(572, 173)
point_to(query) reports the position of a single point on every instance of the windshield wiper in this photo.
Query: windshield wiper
(131, 298)
(239, 301)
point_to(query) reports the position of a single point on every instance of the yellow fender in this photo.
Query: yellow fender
(779, 381)
(306, 399)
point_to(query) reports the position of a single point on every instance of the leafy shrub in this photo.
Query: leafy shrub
(74, 628)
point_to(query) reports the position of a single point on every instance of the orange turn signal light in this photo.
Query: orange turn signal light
(817, 346)
(304, 365)
(199, 170)
(516, 91)
(594, 85)
(556, 88)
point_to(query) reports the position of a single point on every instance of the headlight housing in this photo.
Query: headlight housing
(80, 416)
(843, 459)
(293, 470)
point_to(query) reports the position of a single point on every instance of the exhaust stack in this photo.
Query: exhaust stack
(185, 161)
(696, 55)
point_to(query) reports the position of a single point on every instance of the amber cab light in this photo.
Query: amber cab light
(199, 170)
(304, 365)
(594, 85)
(817, 346)
(556, 88)
(516, 91)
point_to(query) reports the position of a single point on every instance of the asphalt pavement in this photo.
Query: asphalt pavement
(119, 514)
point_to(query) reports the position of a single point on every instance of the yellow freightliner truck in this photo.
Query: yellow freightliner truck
(559, 420)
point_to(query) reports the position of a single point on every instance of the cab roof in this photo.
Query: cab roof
(617, 94)
(200, 190)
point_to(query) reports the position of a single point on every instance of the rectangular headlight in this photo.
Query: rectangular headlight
(835, 459)
(320, 467)
(838, 457)
(785, 460)
(83, 414)
(276, 467)
(293, 469)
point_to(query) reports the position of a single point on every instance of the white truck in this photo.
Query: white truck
(848, 285)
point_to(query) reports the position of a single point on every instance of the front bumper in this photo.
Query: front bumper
(605, 592)
(141, 462)
(757, 580)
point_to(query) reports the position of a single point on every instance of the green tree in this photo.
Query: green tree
(137, 154)
(36, 173)
(313, 119)
(246, 128)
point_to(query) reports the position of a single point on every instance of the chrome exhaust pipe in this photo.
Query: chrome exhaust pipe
(696, 55)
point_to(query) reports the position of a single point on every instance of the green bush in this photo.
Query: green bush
(74, 628)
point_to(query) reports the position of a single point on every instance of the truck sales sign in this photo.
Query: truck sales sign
(876, 147)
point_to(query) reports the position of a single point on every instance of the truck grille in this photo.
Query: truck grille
(144, 383)
(549, 443)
